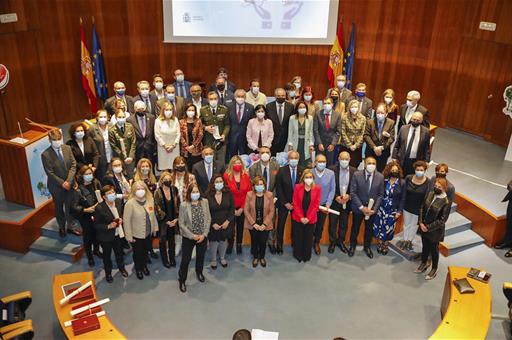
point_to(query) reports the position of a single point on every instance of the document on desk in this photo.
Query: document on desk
(259, 334)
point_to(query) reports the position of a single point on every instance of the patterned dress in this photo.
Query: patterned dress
(384, 224)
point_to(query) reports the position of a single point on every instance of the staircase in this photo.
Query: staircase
(458, 237)
(50, 244)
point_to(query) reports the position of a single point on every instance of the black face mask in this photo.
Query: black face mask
(437, 191)
(415, 124)
(167, 183)
(221, 87)
(180, 168)
(334, 99)
(440, 175)
(395, 174)
(280, 100)
(140, 114)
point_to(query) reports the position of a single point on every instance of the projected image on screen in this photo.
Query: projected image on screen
(263, 21)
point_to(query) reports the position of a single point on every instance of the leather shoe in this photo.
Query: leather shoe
(183, 287)
(109, 278)
(200, 277)
(123, 272)
(223, 264)
(422, 267)
(62, 232)
(153, 254)
(330, 250)
(76, 232)
(272, 249)
(263, 263)
(172, 262)
(500, 246)
(254, 262)
(318, 251)
(279, 250)
(167, 264)
(146, 271)
(239, 249)
(140, 276)
(368, 252)
(343, 248)
(351, 251)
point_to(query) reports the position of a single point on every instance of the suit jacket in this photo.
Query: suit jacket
(204, 102)
(280, 129)
(336, 170)
(434, 216)
(90, 155)
(400, 148)
(163, 214)
(228, 98)
(268, 210)
(186, 85)
(293, 134)
(230, 86)
(199, 172)
(284, 186)
(298, 196)
(109, 104)
(57, 171)
(185, 218)
(345, 94)
(152, 101)
(366, 107)
(371, 134)
(145, 146)
(179, 105)
(419, 108)
(115, 135)
(359, 194)
(103, 217)
(220, 118)
(256, 170)
(95, 133)
(238, 131)
(134, 219)
(197, 134)
(322, 134)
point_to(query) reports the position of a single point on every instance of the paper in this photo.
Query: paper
(330, 211)
(259, 334)
(216, 133)
(19, 140)
(370, 206)
(343, 193)
(123, 147)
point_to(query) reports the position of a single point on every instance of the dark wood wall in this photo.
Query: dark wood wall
(433, 46)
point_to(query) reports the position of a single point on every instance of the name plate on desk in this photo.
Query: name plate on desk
(18, 140)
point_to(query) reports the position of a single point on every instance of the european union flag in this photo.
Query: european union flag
(98, 66)
(349, 57)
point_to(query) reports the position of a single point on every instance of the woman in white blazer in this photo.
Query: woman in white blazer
(300, 134)
(167, 135)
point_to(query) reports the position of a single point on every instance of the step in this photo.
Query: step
(456, 223)
(58, 249)
(453, 207)
(458, 242)
(51, 230)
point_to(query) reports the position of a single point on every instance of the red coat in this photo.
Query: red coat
(298, 195)
(245, 187)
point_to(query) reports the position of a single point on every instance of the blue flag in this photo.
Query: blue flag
(98, 67)
(348, 68)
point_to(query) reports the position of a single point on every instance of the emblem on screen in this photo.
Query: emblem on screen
(292, 7)
(186, 17)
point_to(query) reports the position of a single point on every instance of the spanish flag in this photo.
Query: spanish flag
(335, 67)
(87, 76)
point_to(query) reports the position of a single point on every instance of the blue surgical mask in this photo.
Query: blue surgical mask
(259, 188)
(208, 159)
(360, 94)
(88, 178)
(79, 135)
(195, 196)
(419, 173)
(219, 186)
(321, 166)
(111, 197)
(170, 96)
(293, 163)
(120, 93)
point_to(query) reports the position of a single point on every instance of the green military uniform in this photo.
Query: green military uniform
(221, 119)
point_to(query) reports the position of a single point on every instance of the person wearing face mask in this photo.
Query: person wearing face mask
(254, 96)
(434, 213)
(327, 129)
(144, 127)
(144, 172)
(416, 187)
(195, 98)
(337, 104)
(286, 178)
(306, 200)
(158, 87)
(194, 222)
(167, 203)
(324, 178)
(364, 104)
(341, 85)
(215, 119)
(167, 135)
(297, 83)
(291, 93)
(122, 141)
(238, 181)
(391, 207)
(279, 112)
(140, 224)
(300, 134)
(441, 172)
(181, 85)
(223, 72)
(412, 144)
(146, 97)
(82, 208)
(308, 97)
(240, 113)
(411, 106)
(83, 147)
(379, 135)
(338, 224)
(366, 184)
(224, 96)
(259, 132)
(99, 134)
(222, 211)
(108, 225)
(170, 97)
(119, 105)
(204, 170)
(120, 94)
(353, 127)
(191, 136)
(60, 166)
(259, 213)
(388, 97)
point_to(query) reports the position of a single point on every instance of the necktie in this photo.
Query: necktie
(368, 181)
(143, 126)
(182, 91)
(213, 111)
(209, 172)
(222, 98)
(148, 104)
(280, 113)
(380, 128)
(239, 114)
(59, 154)
(327, 123)
(409, 145)
(293, 177)
(122, 129)
(265, 175)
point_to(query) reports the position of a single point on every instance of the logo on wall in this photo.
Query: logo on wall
(4, 76)
(507, 97)
(292, 8)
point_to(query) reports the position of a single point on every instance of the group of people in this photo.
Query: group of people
(169, 162)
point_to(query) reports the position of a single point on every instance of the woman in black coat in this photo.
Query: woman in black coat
(83, 147)
(432, 219)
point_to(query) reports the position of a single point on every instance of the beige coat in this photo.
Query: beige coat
(134, 219)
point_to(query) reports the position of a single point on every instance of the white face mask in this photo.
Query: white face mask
(370, 168)
(302, 111)
(291, 94)
(255, 90)
(57, 143)
(140, 193)
(340, 84)
(308, 97)
(168, 113)
(102, 120)
(265, 157)
(260, 115)
(388, 100)
(297, 85)
(117, 169)
(144, 171)
(344, 163)
(159, 85)
(191, 114)
(144, 93)
(354, 110)
(180, 78)
(213, 103)
(328, 107)
(308, 181)
(240, 101)
(79, 135)
(410, 103)
(121, 121)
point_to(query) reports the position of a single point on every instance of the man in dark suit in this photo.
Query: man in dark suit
(411, 106)
(148, 98)
(108, 225)
(215, 119)
(204, 170)
(158, 84)
(196, 99)
(223, 72)
(279, 112)
(327, 131)
(365, 103)
(365, 185)
(225, 96)
(240, 113)
(170, 96)
(379, 135)
(182, 86)
(99, 134)
(507, 241)
(343, 173)
(412, 144)
(120, 90)
(144, 126)
(60, 167)
(341, 84)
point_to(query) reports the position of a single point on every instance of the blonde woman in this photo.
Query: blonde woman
(388, 97)
(337, 104)
(144, 172)
(167, 135)
(139, 225)
(297, 82)
(353, 125)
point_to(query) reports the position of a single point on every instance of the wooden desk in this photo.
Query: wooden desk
(465, 316)
(107, 330)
